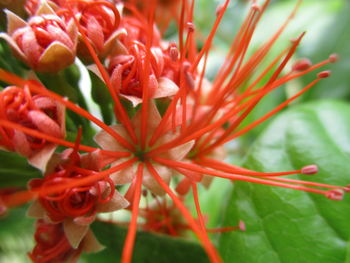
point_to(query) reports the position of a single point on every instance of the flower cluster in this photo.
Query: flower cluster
(171, 123)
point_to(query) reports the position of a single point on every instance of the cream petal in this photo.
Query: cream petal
(151, 183)
(72, 31)
(91, 244)
(166, 88)
(14, 46)
(95, 160)
(13, 22)
(45, 9)
(207, 180)
(41, 158)
(108, 142)
(84, 220)
(153, 119)
(56, 57)
(74, 233)
(94, 69)
(180, 152)
(124, 176)
(133, 99)
(36, 210)
(116, 203)
(113, 46)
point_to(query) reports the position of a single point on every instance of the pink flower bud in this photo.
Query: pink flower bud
(36, 112)
(45, 42)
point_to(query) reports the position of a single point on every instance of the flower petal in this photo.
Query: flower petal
(166, 88)
(21, 143)
(36, 210)
(56, 57)
(13, 22)
(117, 202)
(74, 233)
(91, 244)
(14, 46)
(152, 184)
(124, 176)
(180, 152)
(44, 123)
(108, 142)
(40, 159)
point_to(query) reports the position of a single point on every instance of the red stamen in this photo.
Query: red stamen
(130, 238)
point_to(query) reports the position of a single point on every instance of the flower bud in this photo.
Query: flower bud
(36, 112)
(45, 42)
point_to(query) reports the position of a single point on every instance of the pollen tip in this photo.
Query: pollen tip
(335, 194)
(218, 10)
(309, 169)
(324, 74)
(256, 7)
(333, 58)
(241, 226)
(302, 64)
(190, 27)
(347, 188)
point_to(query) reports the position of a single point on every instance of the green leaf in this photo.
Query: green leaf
(148, 247)
(15, 170)
(286, 225)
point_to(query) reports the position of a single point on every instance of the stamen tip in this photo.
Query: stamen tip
(347, 188)
(241, 226)
(309, 169)
(335, 194)
(324, 74)
(256, 7)
(302, 64)
(333, 58)
(190, 27)
(219, 9)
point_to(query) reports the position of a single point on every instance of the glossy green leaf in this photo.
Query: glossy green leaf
(286, 225)
(149, 248)
(15, 170)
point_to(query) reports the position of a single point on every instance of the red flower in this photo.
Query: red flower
(46, 43)
(37, 112)
(75, 206)
(52, 246)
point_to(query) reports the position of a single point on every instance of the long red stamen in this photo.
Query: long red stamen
(236, 177)
(58, 141)
(130, 238)
(212, 253)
